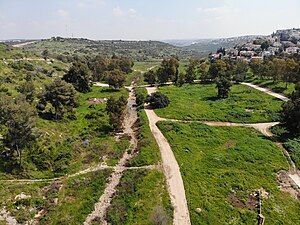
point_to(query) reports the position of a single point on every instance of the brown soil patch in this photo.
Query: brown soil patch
(286, 184)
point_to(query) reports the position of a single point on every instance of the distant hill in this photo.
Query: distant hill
(202, 47)
(137, 50)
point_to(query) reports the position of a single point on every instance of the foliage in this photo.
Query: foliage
(290, 115)
(223, 86)
(158, 100)
(28, 89)
(293, 147)
(168, 70)
(115, 108)
(80, 76)
(150, 77)
(61, 95)
(116, 79)
(19, 117)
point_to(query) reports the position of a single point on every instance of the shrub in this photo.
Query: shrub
(158, 100)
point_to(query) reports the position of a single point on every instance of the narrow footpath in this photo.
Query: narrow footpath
(104, 202)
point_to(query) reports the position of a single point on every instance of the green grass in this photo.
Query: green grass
(138, 195)
(222, 164)
(76, 199)
(279, 87)
(200, 102)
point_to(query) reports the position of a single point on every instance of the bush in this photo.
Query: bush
(293, 147)
(158, 100)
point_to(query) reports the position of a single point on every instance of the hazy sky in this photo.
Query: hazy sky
(145, 19)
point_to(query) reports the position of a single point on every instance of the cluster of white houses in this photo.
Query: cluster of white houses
(283, 41)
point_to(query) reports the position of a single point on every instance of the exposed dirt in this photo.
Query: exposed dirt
(287, 184)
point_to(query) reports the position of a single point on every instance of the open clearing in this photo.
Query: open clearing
(222, 167)
(200, 102)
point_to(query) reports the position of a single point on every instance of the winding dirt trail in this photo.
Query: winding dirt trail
(104, 202)
(171, 170)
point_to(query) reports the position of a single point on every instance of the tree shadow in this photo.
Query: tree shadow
(212, 98)
(109, 90)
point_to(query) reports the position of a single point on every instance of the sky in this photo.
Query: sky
(145, 19)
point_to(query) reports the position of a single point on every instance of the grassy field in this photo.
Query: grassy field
(140, 197)
(279, 87)
(200, 102)
(222, 166)
(66, 202)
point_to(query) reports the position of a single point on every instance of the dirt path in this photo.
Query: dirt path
(171, 170)
(23, 44)
(104, 202)
(267, 91)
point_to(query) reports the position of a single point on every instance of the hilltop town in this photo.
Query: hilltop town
(280, 42)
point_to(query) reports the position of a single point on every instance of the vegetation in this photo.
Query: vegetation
(80, 76)
(158, 100)
(115, 110)
(141, 198)
(223, 86)
(199, 102)
(222, 167)
(290, 115)
(293, 147)
(76, 199)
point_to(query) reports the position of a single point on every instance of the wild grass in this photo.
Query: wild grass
(76, 199)
(200, 102)
(222, 166)
(139, 196)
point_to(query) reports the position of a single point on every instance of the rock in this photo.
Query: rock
(22, 196)
(198, 210)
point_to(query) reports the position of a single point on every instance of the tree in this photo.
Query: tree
(223, 85)
(265, 45)
(218, 69)
(80, 76)
(45, 54)
(191, 72)
(62, 97)
(290, 115)
(290, 73)
(168, 70)
(240, 70)
(150, 77)
(157, 100)
(115, 108)
(28, 89)
(20, 123)
(116, 79)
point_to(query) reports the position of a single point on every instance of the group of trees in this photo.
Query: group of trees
(168, 71)
(112, 70)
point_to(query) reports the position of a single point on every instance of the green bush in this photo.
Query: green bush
(293, 147)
